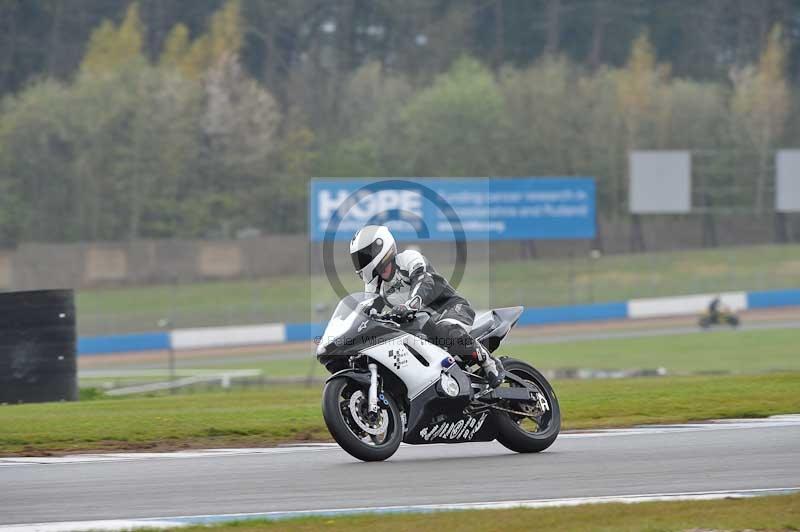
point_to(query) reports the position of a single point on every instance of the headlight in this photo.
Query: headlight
(449, 385)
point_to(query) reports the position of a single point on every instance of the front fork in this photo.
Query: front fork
(374, 398)
(373, 388)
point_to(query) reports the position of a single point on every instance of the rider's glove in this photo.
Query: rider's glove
(403, 313)
(415, 303)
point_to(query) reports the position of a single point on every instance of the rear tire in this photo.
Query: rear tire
(344, 430)
(510, 434)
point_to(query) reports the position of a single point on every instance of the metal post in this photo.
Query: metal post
(171, 366)
(173, 300)
(571, 278)
(593, 256)
(166, 324)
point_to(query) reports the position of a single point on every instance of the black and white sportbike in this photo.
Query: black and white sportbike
(389, 385)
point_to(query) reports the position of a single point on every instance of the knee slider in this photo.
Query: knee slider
(453, 330)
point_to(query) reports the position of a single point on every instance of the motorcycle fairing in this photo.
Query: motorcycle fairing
(334, 355)
(437, 419)
(490, 328)
(349, 330)
(396, 355)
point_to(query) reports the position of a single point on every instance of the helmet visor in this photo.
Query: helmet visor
(365, 255)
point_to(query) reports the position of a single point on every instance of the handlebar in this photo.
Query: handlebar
(392, 318)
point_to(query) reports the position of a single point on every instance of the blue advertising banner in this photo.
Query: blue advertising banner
(437, 209)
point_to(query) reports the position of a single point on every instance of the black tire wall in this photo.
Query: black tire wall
(37, 347)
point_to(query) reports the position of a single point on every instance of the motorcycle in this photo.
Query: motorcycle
(720, 318)
(389, 385)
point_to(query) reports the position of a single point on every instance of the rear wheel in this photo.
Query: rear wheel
(529, 427)
(368, 437)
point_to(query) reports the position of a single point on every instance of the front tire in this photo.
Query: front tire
(345, 416)
(513, 432)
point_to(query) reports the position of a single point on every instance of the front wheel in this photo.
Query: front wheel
(367, 437)
(529, 427)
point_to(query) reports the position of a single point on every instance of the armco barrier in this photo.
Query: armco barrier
(773, 298)
(276, 333)
(596, 311)
(658, 307)
(297, 332)
(210, 337)
(122, 343)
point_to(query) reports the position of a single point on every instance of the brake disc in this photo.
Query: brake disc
(542, 402)
(376, 428)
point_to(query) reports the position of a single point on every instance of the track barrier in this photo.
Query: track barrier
(277, 333)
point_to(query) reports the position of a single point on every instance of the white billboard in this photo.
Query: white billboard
(660, 182)
(787, 181)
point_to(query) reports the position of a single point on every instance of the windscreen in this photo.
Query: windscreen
(349, 309)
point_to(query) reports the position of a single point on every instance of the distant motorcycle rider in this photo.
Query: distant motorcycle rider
(408, 283)
(714, 309)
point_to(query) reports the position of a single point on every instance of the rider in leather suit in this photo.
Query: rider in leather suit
(408, 283)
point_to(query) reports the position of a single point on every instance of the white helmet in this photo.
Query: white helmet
(371, 249)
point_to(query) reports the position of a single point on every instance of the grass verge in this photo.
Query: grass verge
(721, 351)
(779, 512)
(717, 351)
(557, 282)
(292, 414)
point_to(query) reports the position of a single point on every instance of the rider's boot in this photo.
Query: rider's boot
(492, 367)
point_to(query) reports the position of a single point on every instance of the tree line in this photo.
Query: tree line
(207, 121)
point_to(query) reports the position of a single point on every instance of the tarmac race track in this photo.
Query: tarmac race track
(714, 456)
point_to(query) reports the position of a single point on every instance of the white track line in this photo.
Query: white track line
(170, 522)
(125, 457)
(788, 420)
